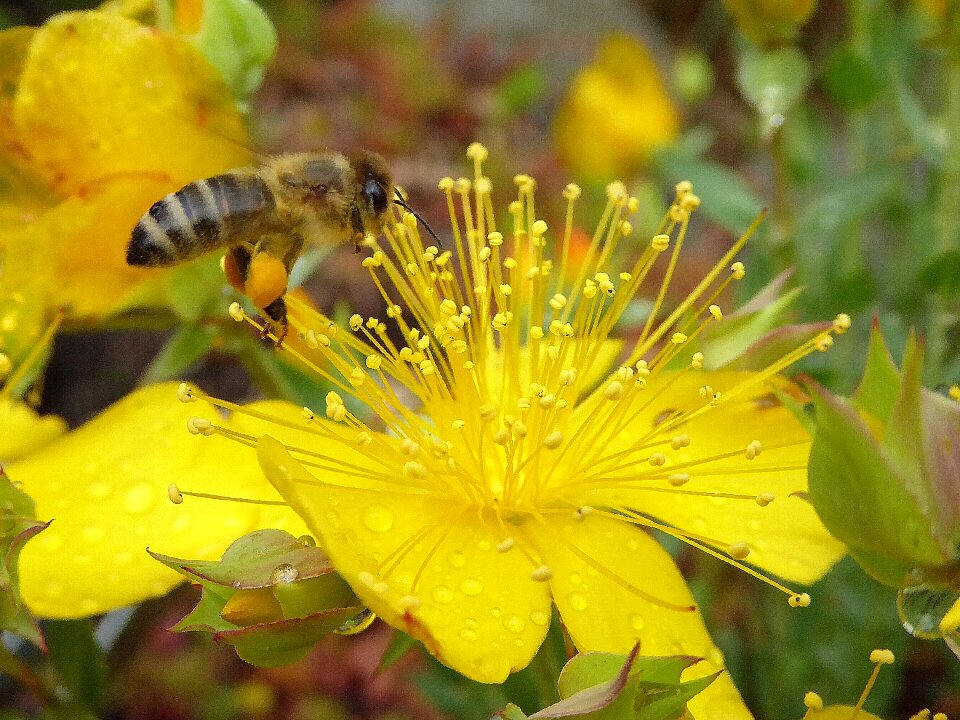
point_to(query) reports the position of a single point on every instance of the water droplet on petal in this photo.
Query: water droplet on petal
(539, 617)
(471, 623)
(93, 534)
(514, 624)
(636, 622)
(284, 573)
(468, 634)
(140, 498)
(575, 578)
(442, 594)
(99, 490)
(377, 518)
(471, 586)
(456, 559)
(577, 601)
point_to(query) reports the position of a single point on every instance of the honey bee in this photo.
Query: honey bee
(264, 216)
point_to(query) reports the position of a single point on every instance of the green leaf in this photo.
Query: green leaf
(922, 131)
(400, 645)
(669, 702)
(194, 288)
(587, 686)
(850, 79)
(942, 274)
(79, 661)
(17, 526)
(772, 80)
(727, 200)
(235, 36)
(184, 348)
(510, 712)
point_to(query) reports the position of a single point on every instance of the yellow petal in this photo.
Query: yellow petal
(423, 567)
(23, 431)
(786, 536)
(594, 561)
(101, 95)
(105, 487)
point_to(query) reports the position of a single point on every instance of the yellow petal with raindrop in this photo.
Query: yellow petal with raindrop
(596, 561)
(424, 566)
(104, 486)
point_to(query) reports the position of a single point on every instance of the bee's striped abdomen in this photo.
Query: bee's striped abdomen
(216, 212)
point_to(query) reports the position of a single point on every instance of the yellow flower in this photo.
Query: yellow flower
(103, 117)
(616, 113)
(510, 468)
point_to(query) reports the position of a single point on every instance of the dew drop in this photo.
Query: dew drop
(633, 545)
(495, 611)
(468, 634)
(575, 578)
(539, 617)
(442, 594)
(484, 545)
(471, 586)
(636, 622)
(377, 518)
(518, 642)
(139, 499)
(99, 490)
(93, 534)
(514, 624)
(284, 573)
(577, 601)
(456, 559)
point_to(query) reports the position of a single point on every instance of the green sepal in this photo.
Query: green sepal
(235, 36)
(17, 526)
(80, 663)
(184, 348)
(608, 686)
(272, 596)
(878, 389)
(510, 712)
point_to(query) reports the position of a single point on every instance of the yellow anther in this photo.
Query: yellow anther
(705, 391)
(506, 289)
(414, 470)
(571, 191)
(458, 424)
(307, 413)
(558, 301)
(683, 187)
(680, 441)
(541, 574)
(801, 600)
(357, 377)
(738, 271)
(200, 426)
(483, 185)
(369, 262)
(477, 151)
(922, 715)
(624, 374)
(625, 276)
(738, 550)
(445, 184)
(501, 436)
(310, 338)
(548, 401)
(6, 364)
(236, 312)
(824, 343)
(185, 393)
(696, 362)
(813, 701)
(754, 448)
(690, 202)
(487, 412)
(356, 322)
(538, 228)
(678, 479)
(882, 657)
(484, 254)
(626, 228)
(642, 369)
(716, 312)
(506, 545)
(410, 447)
(581, 512)
(462, 185)
(519, 429)
(364, 438)
(764, 499)
(657, 459)
(174, 494)
(660, 242)
(553, 440)
(613, 391)
(536, 332)
(567, 376)
(678, 338)
(374, 362)
(633, 204)
(617, 191)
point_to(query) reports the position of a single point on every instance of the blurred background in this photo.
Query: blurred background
(833, 116)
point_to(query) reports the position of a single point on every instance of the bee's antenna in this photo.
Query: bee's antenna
(398, 200)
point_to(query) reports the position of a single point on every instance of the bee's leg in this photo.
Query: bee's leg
(266, 278)
(236, 265)
(356, 224)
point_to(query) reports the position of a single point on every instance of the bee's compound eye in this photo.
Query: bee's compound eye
(375, 194)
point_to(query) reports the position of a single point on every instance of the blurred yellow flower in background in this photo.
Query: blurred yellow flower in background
(102, 117)
(770, 22)
(616, 112)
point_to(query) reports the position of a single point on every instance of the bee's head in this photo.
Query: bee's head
(376, 186)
